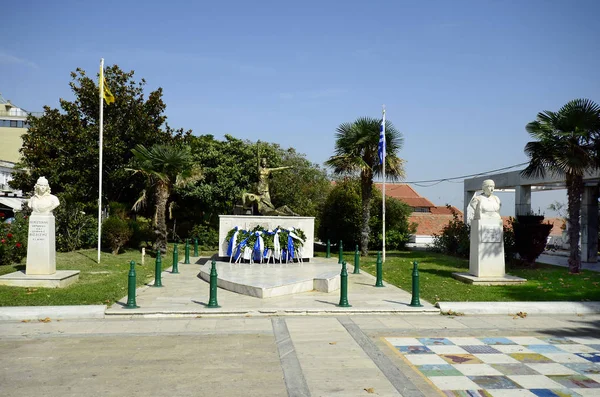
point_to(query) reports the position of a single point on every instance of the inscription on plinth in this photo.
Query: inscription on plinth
(41, 245)
(487, 248)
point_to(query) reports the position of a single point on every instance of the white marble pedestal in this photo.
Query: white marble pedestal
(486, 261)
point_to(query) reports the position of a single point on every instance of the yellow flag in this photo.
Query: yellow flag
(108, 96)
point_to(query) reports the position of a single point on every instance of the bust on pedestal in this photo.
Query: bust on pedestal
(41, 242)
(486, 259)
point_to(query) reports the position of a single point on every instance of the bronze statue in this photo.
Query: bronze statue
(263, 198)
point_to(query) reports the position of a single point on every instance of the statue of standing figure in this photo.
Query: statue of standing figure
(263, 198)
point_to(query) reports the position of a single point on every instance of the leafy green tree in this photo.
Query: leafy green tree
(62, 145)
(356, 153)
(164, 166)
(567, 144)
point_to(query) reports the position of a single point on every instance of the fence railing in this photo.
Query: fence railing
(20, 114)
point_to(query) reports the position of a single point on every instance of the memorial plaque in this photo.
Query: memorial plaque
(491, 234)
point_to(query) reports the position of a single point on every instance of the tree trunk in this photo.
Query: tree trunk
(162, 196)
(574, 193)
(366, 182)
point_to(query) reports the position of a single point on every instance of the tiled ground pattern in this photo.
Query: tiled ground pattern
(509, 366)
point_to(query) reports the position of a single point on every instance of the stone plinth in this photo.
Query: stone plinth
(41, 245)
(487, 248)
(504, 280)
(60, 279)
(247, 222)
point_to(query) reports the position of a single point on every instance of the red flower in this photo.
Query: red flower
(3, 241)
(9, 235)
(18, 245)
(1, 214)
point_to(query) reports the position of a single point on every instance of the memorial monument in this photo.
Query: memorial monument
(486, 259)
(263, 197)
(40, 269)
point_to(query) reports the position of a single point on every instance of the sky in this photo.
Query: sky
(460, 79)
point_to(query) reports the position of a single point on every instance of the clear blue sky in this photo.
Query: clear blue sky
(460, 79)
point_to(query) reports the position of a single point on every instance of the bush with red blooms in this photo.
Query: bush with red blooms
(13, 238)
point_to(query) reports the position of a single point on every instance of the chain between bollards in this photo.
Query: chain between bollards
(344, 287)
(158, 270)
(328, 252)
(356, 261)
(195, 247)
(379, 282)
(415, 302)
(187, 252)
(175, 269)
(341, 253)
(212, 301)
(131, 304)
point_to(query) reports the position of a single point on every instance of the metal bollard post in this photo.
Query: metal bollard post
(195, 247)
(175, 260)
(379, 282)
(415, 302)
(328, 254)
(212, 301)
(356, 261)
(158, 270)
(131, 304)
(341, 254)
(344, 287)
(187, 252)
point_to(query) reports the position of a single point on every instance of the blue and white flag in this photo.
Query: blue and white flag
(381, 150)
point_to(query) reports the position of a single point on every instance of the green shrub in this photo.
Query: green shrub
(142, 232)
(74, 228)
(454, 238)
(530, 236)
(115, 234)
(13, 238)
(208, 238)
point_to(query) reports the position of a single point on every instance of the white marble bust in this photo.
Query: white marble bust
(486, 205)
(42, 201)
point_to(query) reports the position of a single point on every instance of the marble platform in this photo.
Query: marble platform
(489, 280)
(60, 279)
(270, 280)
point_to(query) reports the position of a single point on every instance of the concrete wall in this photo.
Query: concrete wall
(10, 143)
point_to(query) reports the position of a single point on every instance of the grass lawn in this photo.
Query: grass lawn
(544, 283)
(102, 283)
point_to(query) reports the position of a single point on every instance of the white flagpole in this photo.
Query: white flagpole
(101, 86)
(383, 198)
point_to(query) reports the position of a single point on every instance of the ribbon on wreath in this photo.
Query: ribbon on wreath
(276, 245)
(241, 248)
(232, 241)
(259, 246)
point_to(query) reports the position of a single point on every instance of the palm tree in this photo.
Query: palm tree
(356, 152)
(165, 166)
(567, 144)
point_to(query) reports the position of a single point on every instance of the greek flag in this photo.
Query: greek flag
(381, 150)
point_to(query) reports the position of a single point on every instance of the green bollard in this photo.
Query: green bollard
(175, 260)
(158, 270)
(379, 282)
(344, 287)
(415, 302)
(131, 304)
(187, 252)
(341, 254)
(328, 254)
(212, 302)
(195, 247)
(356, 261)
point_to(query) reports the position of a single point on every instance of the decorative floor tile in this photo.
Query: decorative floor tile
(473, 349)
(586, 368)
(435, 341)
(439, 370)
(554, 393)
(454, 383)
(545, 349)
(447, 349)
(466, 393)
(510, 393)
(460, 359)
(577, 348)
(592, 357)
(527, 340)
(558, 341)
(535, 382)
(585, 340)
(423, 359)
(565, 358)
(496, 359)
(586, 392)
(515, 369)
(403, 341)
(495, 382)
(464, 341)
(497, 341)
(595, 347)
(576, 381)
(512, 349)
(478, 370)
(530, 358)
(595, 377)
(552, 369)
(415, 350)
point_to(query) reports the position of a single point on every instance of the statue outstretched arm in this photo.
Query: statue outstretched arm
(279, 168)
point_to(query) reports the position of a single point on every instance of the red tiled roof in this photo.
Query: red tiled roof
(444, 210)
(428, 224)
(406, 194)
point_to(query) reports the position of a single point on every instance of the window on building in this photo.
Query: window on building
(421, 209)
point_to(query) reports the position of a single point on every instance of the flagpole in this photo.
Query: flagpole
(101, 90)
(383, 199)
